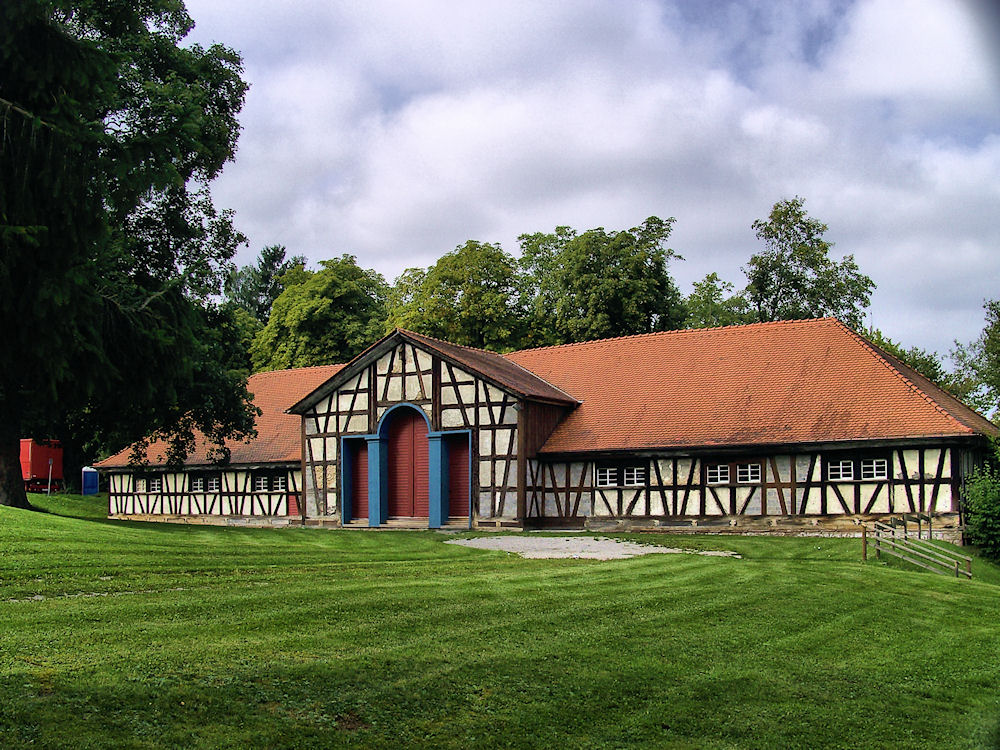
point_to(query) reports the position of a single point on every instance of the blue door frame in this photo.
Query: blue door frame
(378, 471)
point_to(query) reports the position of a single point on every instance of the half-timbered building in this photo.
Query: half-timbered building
(769, 426)
(261, 480)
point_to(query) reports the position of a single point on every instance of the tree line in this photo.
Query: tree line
(566, 286)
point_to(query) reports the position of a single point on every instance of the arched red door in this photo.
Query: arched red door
(408, 465)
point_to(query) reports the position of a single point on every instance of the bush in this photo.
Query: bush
(982, 507)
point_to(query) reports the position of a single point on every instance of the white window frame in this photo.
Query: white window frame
(214, 484)
(197, 484)
(717, 473)
(841, 470)
(874, 468)
(605, 476)
(749, 473)
(634, 476)
(140, 484)
(155, 484)
(280, 483)
(260, 483)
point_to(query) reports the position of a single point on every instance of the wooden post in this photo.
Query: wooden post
(968, 567)
(957, 574)
(878, 545)
(864, 543)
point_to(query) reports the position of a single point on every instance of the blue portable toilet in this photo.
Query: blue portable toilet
(89, 480)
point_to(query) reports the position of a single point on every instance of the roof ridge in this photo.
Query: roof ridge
(677, 331)
(877, 353)
(451, 343)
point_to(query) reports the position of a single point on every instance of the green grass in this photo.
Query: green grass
(116, 634)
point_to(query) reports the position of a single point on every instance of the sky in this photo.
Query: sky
(395, 131)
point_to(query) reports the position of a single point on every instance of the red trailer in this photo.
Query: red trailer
(41, 460)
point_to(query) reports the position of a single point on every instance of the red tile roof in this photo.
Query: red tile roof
(278, 434)
(767, 383)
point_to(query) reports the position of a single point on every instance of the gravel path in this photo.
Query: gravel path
(593, 548)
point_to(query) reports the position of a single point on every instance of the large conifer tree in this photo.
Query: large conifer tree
(110, 247)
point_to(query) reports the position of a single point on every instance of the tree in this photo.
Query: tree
(322, 317)
(794, 276)
(981, 505)
(110, 132)
(977, 365)
(599, 284)
(471, 296)
(255, 287)
(712, 303)
(927, 363)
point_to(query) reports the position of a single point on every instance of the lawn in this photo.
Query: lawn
(116, 634)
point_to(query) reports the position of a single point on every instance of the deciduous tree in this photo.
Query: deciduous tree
(110, 132)
(794, 277)
(322, 317)
(471, 296)
(599, 284)
(977, 366)
(712, 303)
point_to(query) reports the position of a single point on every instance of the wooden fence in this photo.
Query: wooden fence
(894, 539)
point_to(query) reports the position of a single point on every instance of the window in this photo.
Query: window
(260, 483)
(840, 470)
(140, 484)
(747, 473)
(197, 484)
(213, 484)
(633, 476)
(606, 476)
(280, 483)
(874, 468)
(156, 484)
(718, 473)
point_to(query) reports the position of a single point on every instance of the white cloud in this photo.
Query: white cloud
(396, 131)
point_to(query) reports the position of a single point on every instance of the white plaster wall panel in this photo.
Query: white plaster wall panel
(362, 380)
(558, 474)
(358, 423)
(314, 446)
(448, 397)
(510, 504)
(897, 466)
(344, 401)
(944, 502)
(784, 467)
(484, 415)
(380, 411)
(754, 506)
(931, 458)
(395, 391)
(666, 469)
(486, 504)
(684, 469)
(485, 473)
(411, 388)
(742, 493)
(551, 509)
(912, 463)
(312, 425)
(802, 468)
(867, 491)
(452, 418)
(502, 441)
(510, 416)
(485, 442)
(468, 393)
(382, 364)
(325, 406)
(580, 473)
(361, 403)
(331, 447)
(946, 469)
(656, 507)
